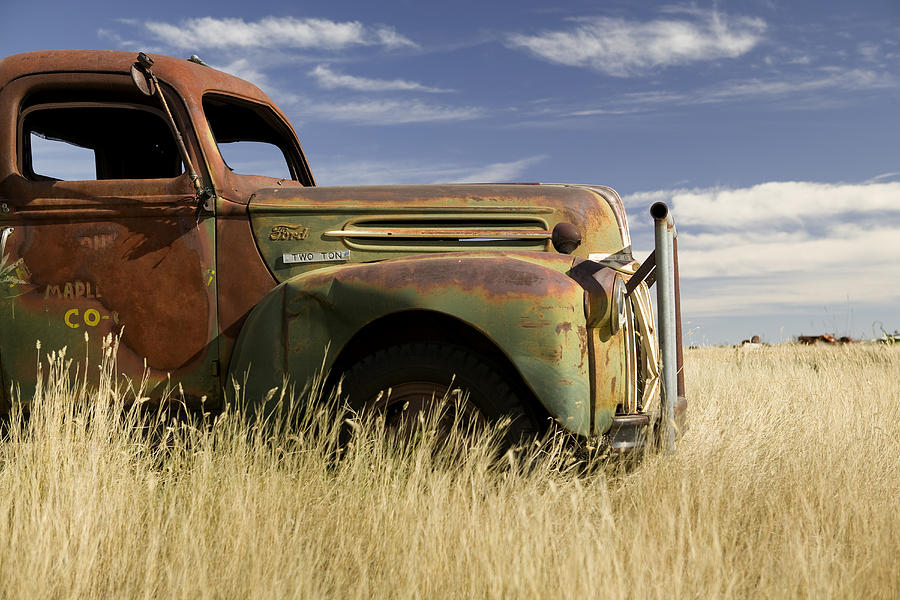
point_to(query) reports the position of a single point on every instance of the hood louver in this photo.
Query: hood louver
(426, 233)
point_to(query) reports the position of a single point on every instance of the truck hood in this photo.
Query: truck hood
(301, 229)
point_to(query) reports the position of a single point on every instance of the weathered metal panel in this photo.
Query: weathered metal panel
(523, 302)
(117, 256)
(411, 220)
(146, 278)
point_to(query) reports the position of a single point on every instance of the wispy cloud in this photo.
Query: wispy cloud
(340, 172)
(329, 79)
(884, 177)
(387, 112)
(830, 78)
(499, 171)
(246, 70)
(784, 245)
(359, 112)
(389, 37)
(869, 51)
(810, 87)
(623, 48)
(116, 39)
(273, 32)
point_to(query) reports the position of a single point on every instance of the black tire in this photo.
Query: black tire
(417, 374)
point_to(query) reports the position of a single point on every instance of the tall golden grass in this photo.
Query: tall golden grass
(786, 485)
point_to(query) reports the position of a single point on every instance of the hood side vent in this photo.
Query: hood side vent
(442, 233)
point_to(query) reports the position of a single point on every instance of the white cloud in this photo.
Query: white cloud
(623, 48)
(388, 112)
(758, 253)
(777, 203)
(780, 245)
(759, 273)
(273, 32)
(389, 37)
(330, 79)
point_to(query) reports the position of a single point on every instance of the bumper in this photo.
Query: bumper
(631, 433)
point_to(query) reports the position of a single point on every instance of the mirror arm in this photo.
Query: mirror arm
(203, 194)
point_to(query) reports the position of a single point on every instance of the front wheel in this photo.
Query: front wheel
(406, 380)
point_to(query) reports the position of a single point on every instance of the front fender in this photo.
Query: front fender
(523, 302)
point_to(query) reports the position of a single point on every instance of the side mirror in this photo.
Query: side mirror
(142, 79)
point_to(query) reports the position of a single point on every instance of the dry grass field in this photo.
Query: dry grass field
(786, 485)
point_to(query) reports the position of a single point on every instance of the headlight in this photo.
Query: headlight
(617, 319)
(604, 302)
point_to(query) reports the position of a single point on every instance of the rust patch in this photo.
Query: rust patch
(529, 323)
(582, 344)
(150, 276)
(503, 277)
(554, 355)
(521, 279)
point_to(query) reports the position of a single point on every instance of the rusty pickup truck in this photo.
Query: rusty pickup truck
(170, 204)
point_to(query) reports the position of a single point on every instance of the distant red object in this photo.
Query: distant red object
(825, 338)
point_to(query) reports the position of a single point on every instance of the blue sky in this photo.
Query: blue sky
(771, 127)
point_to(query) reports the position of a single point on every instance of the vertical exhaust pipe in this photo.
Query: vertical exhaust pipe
(668, 319)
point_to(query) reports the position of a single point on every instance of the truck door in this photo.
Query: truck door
(101, 233)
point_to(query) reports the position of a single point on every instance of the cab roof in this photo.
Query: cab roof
(191, 79)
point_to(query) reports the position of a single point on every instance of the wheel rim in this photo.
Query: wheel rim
(402, 405)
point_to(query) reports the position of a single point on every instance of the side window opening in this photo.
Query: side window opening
(60, 160)
(249, 139)
(254, 158)
(86, 141)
